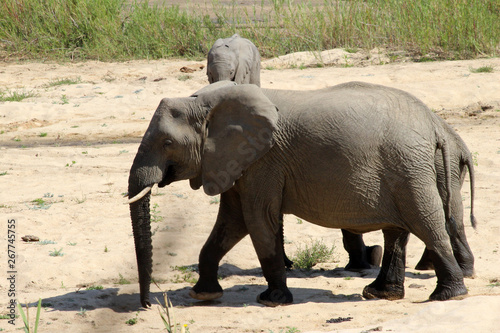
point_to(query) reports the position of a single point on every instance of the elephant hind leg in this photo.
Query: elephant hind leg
(458, 239)
(360, 256)
(426, 220)
(389, 283)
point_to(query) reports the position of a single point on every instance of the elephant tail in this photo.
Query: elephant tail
(442, 144)
(467, 160)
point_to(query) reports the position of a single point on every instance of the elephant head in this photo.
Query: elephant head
(234, 59)
(209, 138)
(222, 63)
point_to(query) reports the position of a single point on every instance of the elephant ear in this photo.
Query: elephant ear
(239, 130)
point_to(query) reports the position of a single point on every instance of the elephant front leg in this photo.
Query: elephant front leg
(228, 230)
(269, 249)
(266, 233)
(389, 283)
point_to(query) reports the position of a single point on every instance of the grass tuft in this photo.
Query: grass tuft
(312, 254)
(483, 69)
(26, 317)
(63, 82)
(56, 253)
(15, 96)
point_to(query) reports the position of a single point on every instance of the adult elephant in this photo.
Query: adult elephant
(234, 59)
(355, 156)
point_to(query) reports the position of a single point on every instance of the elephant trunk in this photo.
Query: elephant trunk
(141, 225)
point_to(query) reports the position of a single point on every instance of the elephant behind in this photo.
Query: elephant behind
(234, 59)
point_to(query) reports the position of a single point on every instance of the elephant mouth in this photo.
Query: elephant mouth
(169, 176)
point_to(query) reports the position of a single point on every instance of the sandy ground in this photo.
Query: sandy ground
(72, 146)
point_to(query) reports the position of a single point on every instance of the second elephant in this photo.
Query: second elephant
(234, 59)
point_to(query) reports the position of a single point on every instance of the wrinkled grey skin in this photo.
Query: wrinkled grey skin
(461, 162)
(356, 156)
(234, 59)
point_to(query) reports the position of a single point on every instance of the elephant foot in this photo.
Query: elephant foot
(206, 291)
(275, 297)
(425, 264)
(374, 255)
(442, 293)
(389, 292)
(205, 296)
(358, 263)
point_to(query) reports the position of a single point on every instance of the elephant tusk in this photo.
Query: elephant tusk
(139, 196)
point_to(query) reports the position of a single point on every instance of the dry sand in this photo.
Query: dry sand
(80, 170)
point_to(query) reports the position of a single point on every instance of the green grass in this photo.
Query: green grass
(112, 30)
(483, 69)
(56, 253)
(123, 280)
(46, 242)
(168, 318)
(63, 82)
(155, 214)
(40, 203)
(26, 318)
(187, 274)
(312, 254)
(15, 96)
(95, 288)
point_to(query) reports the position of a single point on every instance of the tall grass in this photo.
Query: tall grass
(121, 30)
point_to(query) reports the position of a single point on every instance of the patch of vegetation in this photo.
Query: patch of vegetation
(26, 317)
(63, 82)
(122, 280)
(56, 253)
(184, 77)
(482, 69)
(168, 318)
(155, 213)
(288, 330)
(113, 30)
(215, 200)
(312, 254)
(82, 312)
(474, 158)
(94, 288)
(46, 242)
(187, 274)
(494, 283)
(131, 321)
(39, 203)
(64, 99)
(15, 96)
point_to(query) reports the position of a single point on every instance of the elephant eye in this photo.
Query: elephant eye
(167, 143)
